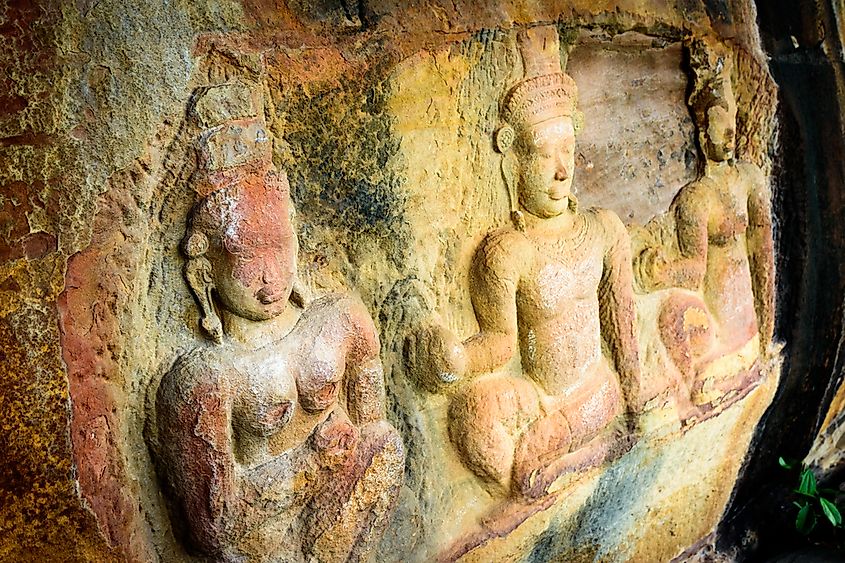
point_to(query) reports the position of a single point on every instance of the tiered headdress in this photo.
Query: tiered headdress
(545, 92)
(232, 134)
(711, 64)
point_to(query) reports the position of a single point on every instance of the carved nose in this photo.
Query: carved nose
(272, 274)
(561, 174)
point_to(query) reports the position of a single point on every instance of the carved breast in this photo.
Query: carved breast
(559, 311)
(266, 393)
(730, 218)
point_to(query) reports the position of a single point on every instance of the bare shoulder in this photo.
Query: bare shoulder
(503, 252)
(695, 193)
(695, 200)
(200, 368)
(608, 224)
(607, 218)
(751, 173)
(504, 242)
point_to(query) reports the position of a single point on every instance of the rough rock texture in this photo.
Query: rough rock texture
(382, 114)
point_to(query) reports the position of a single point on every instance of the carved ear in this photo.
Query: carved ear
(577, 121)
(573, 203)
(503, 138)
(196, 245)
(509, 171)
(299, 294)
(198, 274)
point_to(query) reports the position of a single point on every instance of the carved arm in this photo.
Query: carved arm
(761, 254)
(365, 392)
(616, 309)
(494, 279)
(196, 453)
(438, 358)
(687, 268)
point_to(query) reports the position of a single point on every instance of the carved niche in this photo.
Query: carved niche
(270, 435)
(270, 439)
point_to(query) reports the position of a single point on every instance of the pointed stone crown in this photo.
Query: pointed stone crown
(545, 91)
(712, 63)
(232, 140)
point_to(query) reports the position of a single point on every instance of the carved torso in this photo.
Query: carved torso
(728, 210)
(238, 425)
(558, 308)
(214, 418)
(727, 282)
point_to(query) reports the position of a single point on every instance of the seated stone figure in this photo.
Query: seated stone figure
(557, 286)
(715, 243)
(272, 442)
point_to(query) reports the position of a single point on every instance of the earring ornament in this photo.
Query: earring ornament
(504, 138)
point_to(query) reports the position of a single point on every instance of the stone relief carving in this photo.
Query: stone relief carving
(714, 250)
(271, 442)
(556, 287)
(267, 441)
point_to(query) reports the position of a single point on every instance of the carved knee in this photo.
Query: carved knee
(485, 420)
(686, 330)
(544, 441)
(346, 518)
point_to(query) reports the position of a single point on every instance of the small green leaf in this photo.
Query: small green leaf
(806, 519)
(807, 485)
(831, 511)
(786, 464)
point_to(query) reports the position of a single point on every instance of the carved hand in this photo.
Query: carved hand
(436, 357)
(335, 441)
(650, 269)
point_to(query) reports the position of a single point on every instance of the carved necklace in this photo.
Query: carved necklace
(573, 239)
(563, 247)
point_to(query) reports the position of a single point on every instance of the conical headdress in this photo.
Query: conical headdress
(545, 91)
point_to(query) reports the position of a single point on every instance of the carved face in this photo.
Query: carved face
(254, 257)
(720, 121)
(720, 134)
(546, 156)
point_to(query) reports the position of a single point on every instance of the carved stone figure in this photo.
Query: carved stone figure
(557, 287)
(272, 442)
(715, 243)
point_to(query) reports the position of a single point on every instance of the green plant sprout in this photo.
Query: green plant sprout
(813, 499)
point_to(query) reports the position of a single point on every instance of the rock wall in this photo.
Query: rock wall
(384, 120)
